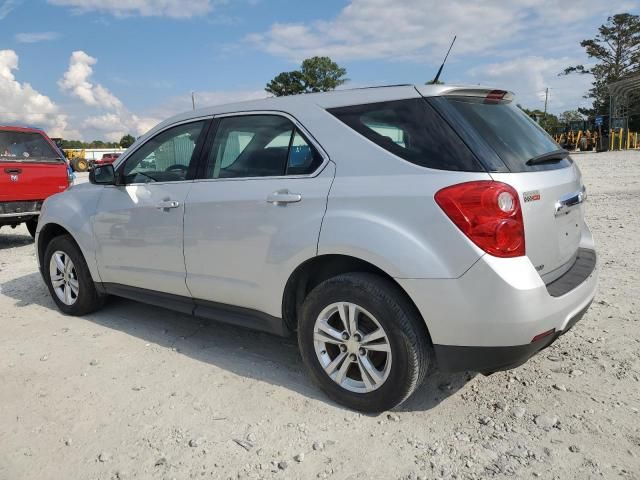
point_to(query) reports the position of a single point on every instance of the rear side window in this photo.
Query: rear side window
(260, 146)
(412, 130)
(26, 146)
(514, 136)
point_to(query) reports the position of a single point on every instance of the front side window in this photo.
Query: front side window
(260, 146)
(166, 157)
(412, 130)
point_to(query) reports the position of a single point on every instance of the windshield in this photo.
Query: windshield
(26, 146)
(514, 136)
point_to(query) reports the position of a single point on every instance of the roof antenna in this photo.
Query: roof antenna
(435, 80)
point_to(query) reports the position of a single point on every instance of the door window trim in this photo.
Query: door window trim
(196, 158)
(213, 130)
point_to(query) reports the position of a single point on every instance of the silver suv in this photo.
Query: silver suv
(392, 229)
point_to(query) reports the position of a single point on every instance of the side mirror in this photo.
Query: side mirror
(103, 175)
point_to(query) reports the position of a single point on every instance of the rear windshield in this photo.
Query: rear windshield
(25, 147)
(412, 130)
(514, 136)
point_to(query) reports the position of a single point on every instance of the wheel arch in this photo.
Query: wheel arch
(47, 233)
(52, 230)
(315, 270)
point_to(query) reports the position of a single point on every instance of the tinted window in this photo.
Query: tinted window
(514, 136)
(26, 146)
(303, 158)
(260, 146)
(412, 130)
(166, 157)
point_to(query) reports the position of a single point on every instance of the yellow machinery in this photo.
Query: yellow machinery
(77, 159)
(583, 140)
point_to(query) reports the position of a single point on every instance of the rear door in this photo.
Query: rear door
(256, 213)
(548, 181)
(30, 168)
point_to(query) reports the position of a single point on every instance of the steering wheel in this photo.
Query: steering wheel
(177, 167)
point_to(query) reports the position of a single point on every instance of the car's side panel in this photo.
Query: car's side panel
(394, 223)
(73, 210)
(239, 248)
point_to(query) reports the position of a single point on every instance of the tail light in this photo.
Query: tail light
(488, 213)
(495, 96)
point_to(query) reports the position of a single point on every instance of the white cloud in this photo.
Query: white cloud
(76, 81)
(418, 30)
(35, 37)
(21, 103)
(113, 126)
(7, 6)
(528, 77)
(115, 120)
(145, 8)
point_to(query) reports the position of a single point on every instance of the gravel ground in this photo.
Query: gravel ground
(135, 391)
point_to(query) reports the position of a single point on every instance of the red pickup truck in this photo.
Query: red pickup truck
(31, 169)
(107, 159)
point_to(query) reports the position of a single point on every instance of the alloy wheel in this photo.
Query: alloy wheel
(63, 277)
(352, 347)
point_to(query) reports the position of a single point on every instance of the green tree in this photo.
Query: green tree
(570, 116)
(127, 141)
(287, 83)
(316, 74)
(616, 51)
(547, 121)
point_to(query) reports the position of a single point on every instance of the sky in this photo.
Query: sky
(98, 69)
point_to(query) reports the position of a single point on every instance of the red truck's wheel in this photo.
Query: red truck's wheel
(31, 226)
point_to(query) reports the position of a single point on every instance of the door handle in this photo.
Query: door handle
(167, 204)
(283, 196)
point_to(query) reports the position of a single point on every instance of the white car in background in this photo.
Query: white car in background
(392, 229)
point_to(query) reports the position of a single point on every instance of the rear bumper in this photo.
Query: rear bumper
(18, 212)
(453, 358)
(487, 319)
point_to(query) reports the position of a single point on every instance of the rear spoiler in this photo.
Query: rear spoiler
(490, 95)
(498, 96)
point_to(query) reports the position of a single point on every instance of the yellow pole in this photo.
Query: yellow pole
(611, 138)
(628, 139)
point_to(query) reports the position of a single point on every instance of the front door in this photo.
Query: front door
(138, 224)
(257, 213)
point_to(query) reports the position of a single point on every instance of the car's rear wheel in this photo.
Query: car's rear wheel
(68, 278)
(363, 342)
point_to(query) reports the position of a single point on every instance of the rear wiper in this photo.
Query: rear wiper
(554, 156)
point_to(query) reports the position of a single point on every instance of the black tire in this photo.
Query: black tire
(408, 338)
(31, 226)
(80, 165)
(88, 299)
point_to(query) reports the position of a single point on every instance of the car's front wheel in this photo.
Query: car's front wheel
(68, 278)
(363, 342)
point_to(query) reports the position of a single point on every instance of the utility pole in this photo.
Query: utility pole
(193, 100)
(546, 99)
